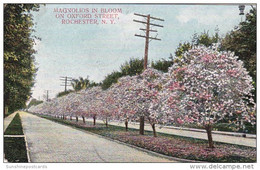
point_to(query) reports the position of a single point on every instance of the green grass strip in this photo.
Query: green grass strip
(15, 149)
(15, 127)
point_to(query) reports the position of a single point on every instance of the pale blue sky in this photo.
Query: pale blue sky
(96, 50)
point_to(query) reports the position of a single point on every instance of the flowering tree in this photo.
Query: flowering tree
(149, 99)
(75, 103)
(124, 100)
(53, 106)
(89, 100)
(142, 93)
(210, 87)
(108, 109)
(65, 106)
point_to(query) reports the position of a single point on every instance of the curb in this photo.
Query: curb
(236, 134)
(14, 136)
(133, 146)
(26, 143)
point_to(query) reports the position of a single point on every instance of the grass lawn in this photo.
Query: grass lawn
(171, 145)
(15, 149)
(15, 127)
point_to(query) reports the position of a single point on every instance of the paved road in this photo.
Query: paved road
(8, 120)
(52, 142)
(200, 135)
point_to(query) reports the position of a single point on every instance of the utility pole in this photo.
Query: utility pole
(47, 95)
(148, 38)
(147, 31)
(65, 80)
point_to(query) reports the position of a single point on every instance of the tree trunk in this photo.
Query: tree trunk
(126, 125)
(83, 119)
(209, 133)
(6, 110)
(154, 132)
(106, 123)
(70, 117)
(77, 119)
(65, 117)
(94, 120)
(141, 130)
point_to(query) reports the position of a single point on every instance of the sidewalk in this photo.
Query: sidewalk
(214, 132)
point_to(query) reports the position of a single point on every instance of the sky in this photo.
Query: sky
(95, 50)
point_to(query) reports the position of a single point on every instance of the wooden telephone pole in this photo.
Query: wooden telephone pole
(65, 80)
(47, 95)
(148, 38)
(147, 31)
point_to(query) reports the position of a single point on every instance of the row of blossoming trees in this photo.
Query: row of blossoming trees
(205, 87)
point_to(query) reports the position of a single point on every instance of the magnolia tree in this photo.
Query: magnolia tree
(93, 103)
(124, 100)
(75, 104)
(65, 106)
(143, 95)
(148, 96)
(42, 108)
(53, 106)
(88, 102)
(210, 87)
(109, 106)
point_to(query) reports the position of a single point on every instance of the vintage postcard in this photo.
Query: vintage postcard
(130, 82)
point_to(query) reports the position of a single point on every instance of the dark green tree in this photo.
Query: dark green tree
(63, 93)
(162, 64)
(19, 62)
(242, 41)
(205, 39)
(34, 102)
(132, 67)
(197, 39)
(81, 83)
(93, 84)
(181, 49)
(110, 79)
